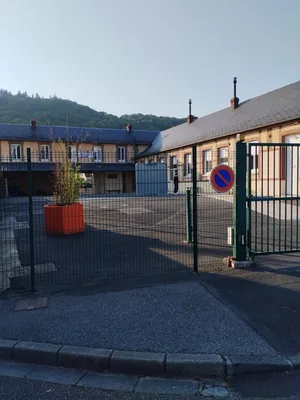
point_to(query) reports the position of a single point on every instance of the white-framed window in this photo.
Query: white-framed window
(16, 152)
(223, 155)
(187, 165)
(72, 153)
(121, 154)
(45, 153)
(97, 154)
(173, 167)
(254, 158)
(207, 161)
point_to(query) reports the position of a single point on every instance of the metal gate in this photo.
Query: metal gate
(272, 198)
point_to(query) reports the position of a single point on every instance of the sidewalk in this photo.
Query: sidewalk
(240, 315)
(176, 318)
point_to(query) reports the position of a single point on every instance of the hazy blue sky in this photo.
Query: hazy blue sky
(149, 56)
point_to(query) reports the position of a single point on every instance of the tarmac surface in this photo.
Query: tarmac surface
(125, 237)
(45, 383)
(175, 318)
(218, 310)
(133, 237)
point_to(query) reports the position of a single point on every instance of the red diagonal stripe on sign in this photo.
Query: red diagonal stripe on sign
(223, 179)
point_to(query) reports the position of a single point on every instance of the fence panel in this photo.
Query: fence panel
(273, 198)
(13, 207)
(125, 235)
(215, 210)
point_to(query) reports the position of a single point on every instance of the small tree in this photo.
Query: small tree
(67, 179)
(67, 182)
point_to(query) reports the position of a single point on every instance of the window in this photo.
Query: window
(97, 154)
(223, 155)
(85, 154)
(121, 154)
(16, 152)
(207, 161)
(112, 176)
(45, 153)
(254, 158)
(187, 165)
(173, 167)
(72, 153)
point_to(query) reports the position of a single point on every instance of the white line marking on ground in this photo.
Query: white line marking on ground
(169, 218)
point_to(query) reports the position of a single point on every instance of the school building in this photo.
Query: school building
(271, 118)
(109, 156)
(105, 155)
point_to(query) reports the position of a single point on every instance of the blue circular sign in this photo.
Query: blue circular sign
(222, 178)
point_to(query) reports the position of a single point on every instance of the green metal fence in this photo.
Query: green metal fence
(272, 198)
(126, 235)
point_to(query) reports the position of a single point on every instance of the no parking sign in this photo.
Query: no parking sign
(222, 178)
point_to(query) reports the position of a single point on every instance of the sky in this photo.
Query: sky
(149, 56)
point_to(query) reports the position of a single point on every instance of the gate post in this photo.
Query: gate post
(239, 209)
(195, 209)
(30, 211)
(189, 228)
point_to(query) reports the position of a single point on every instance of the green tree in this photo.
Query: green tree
(21, 107)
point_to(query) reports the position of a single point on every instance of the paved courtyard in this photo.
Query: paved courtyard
(133, 237)
(125, 237)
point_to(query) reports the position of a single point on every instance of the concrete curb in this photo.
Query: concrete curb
(9, 255)
(144, 363)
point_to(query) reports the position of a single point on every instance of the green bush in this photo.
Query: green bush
(67, 183)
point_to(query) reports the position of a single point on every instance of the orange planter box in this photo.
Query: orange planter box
(63, 220)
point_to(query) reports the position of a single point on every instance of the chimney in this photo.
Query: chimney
(190, 117)
(129, 128)
(33, 123)
(235, 100)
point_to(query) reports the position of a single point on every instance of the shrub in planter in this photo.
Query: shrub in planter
(65, 217)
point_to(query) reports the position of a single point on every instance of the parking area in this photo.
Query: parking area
(134, 237)
(125, 237)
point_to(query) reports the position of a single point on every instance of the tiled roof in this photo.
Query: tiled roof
(84, 167)
(278, 106)
(100, 135)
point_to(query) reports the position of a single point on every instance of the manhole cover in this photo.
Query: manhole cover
(218, 392)
(31, 304)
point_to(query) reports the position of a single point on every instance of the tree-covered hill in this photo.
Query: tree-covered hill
(20, 108)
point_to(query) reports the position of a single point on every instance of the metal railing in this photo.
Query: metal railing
(273, 197)
(126, 235)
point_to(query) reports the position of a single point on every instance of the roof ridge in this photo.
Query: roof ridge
(247, 100)
(277, 106)
(78, 127)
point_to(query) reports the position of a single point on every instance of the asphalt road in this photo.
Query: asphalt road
(22, 389)
(263, 387)
(266, 296)
(141, 244)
